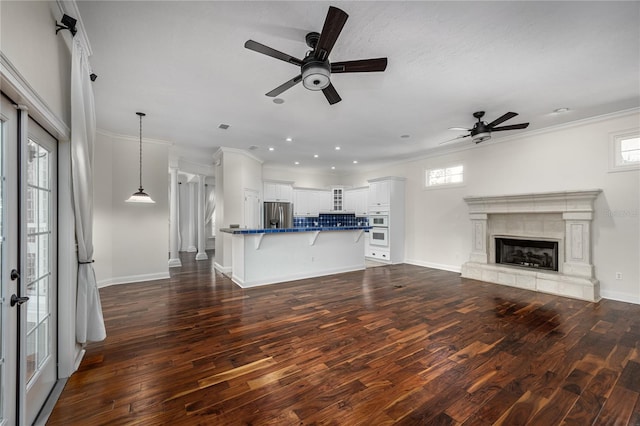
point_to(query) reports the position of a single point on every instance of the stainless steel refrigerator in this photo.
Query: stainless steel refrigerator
(278, 215)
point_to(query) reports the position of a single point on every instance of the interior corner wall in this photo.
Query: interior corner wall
(130, 239)
(29, 41)
(573, 157)
(239, 172)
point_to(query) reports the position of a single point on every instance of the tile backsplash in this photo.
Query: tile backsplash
(329, 220)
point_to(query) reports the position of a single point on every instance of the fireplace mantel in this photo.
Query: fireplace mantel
(564, 216)
(544, 202)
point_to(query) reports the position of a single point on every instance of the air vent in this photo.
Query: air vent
(223, 126)
(253, 147)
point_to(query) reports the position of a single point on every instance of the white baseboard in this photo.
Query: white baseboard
(295, 277)
(133, 279)
(223, 269)
(78, 360)
(619, 296)
(441, 266)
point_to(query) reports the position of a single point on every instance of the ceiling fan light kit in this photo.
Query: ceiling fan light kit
(316, 69)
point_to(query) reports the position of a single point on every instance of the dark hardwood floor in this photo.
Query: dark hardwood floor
(389, 345)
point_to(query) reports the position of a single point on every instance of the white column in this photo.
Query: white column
(479, 238)
(193, 218)
(202, 254)
(174, 258)
(577, 244)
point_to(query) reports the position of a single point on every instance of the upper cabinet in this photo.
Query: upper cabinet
(355, 201)
(310, 202)
(337, 202)
(278, 191)
(379, 194)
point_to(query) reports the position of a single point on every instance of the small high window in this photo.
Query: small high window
(449, 176)
(625, 151)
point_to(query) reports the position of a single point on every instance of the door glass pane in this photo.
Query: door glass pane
(38, 257)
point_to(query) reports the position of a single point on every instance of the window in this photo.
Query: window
(446, 176)
(625, 151)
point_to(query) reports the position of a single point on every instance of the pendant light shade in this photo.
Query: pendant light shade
(140, 196)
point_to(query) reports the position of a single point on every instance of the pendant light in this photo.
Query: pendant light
(140, 196)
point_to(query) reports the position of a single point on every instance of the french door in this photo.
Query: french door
(28, 280)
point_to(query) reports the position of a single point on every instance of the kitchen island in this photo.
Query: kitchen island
(269, 256)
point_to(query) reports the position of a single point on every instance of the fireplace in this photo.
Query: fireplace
(533, 254)
(540, 242)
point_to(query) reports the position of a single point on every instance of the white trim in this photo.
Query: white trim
(620, 296)
(222, 269)
(223, 149)
(17, 87)
(133, 279)
(135, 139)
(294, 277)
(440, 266)
(614, 150)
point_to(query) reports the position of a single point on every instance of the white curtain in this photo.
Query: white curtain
(210, 204)
(89, 319)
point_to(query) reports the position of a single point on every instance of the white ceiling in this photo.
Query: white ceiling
(184, 64)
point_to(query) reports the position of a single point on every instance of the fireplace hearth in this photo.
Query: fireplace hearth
(534, 254)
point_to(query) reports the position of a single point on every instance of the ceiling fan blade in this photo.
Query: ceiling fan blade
(361, 65)
(285, 86)
(455, 139)
(511, 127)
(499, 120)
(266, 50)
(333, 23)
(460, 128)
(331, 94)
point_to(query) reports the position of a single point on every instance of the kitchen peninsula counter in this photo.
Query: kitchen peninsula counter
(269, 256)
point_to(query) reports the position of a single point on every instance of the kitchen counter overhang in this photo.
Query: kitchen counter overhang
(269, 256)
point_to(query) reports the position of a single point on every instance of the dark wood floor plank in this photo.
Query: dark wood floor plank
(396, 344)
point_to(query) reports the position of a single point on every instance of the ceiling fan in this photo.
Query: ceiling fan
(481, 131)
(315, 68)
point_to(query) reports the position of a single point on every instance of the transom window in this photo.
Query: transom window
(625, 151)
(445, 176)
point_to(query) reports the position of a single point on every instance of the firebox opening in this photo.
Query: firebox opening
(533, 254)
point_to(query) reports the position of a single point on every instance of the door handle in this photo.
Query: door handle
(14, 275)
(15, 300)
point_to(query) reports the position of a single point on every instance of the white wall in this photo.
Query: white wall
(130, 240)
(302, 178)
(28, 39)
(569, 158)
(237, 171)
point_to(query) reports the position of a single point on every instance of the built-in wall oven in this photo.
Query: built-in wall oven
(379, 237)
(379, 220)
(379, 234)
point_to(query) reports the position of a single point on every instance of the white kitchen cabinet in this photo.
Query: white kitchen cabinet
(386, 198)
(379, 194)
(310, 202)
(278, 191)
(355, 201)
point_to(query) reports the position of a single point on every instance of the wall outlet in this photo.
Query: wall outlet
(618, 275)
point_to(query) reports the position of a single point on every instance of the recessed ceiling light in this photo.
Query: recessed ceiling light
(337, 148)
(405, 136)
(561, 110)
(271, 148)
(296, 163)
(278, 101)
(289, 140)
(333, 167)
(315, 155)
(355, 161)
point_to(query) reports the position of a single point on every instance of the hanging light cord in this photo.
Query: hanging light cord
(141, 115)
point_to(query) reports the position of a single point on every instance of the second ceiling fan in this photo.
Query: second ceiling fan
(315, 68)
(481, 131)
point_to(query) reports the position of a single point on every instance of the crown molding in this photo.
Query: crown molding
(133, 138)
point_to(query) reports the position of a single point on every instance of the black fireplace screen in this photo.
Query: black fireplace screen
(527, 253)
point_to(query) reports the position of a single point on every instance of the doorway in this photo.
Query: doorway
(28, 286)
